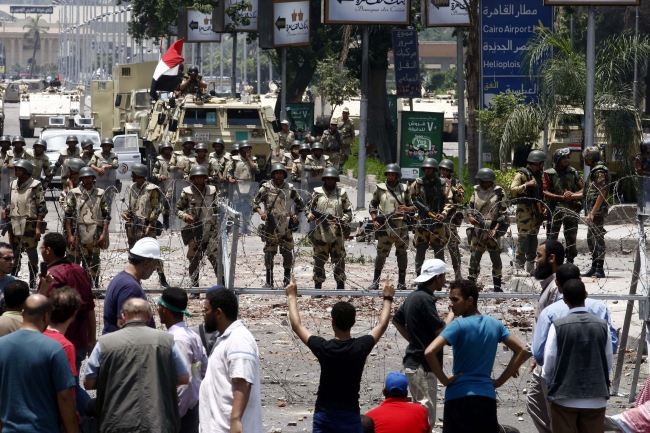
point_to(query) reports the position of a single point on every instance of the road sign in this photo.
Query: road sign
(196, 26)
(420, 138)
(367, 12)
(407, 65)
(290, 23)
(591, 2)
(301, 116)
(451, 13)
(222, 22)
(31, 9)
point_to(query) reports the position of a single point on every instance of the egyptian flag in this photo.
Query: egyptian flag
(165, 77)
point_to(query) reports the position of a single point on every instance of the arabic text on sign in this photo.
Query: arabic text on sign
(509, 10)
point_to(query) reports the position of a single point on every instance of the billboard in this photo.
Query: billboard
(367, 12)
(222, 22)
(591, 2)
(290, 23)
(196, 26)
(450, 13)
(407, 64)
(31, 9)
(420, 138)
(301, 116)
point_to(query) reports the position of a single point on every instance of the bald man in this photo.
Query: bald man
(30, 362)
(135, 371)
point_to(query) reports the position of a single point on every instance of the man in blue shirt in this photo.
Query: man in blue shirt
(29, 362)
(559, 309)
(470, 398)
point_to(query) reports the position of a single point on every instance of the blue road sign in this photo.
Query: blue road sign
(407, 63)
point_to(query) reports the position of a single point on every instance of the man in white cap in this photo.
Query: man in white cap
(143, 259)
(285, 138)
(419, 323)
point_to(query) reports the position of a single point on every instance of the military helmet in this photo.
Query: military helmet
(164, 145)
(218, 141)
(24, 164)
(18, 139)
(536, 156)
(86, 142)
(107, 140)
(591, 153)
(71, 138)
(331, 172)
(317, 145)
(5, 139)
(305, 146)
(279, 167)
(87, 171)
(235, 147)
(198, 170)
(559, 154)
(245, 144)
(75, 164)
(430, 163)
(446, 163)
(393, 168)
(39, 142)
(486, 175)
(201, 146)
(295, 143)
(193, 70)
(188, 140)
(140, 170)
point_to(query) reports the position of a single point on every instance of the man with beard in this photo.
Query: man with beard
(549, 256)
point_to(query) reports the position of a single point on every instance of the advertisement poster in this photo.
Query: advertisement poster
(199, 27)
(291, 23)
(407, 64)
(301, 116)
(367, 11)
(420, 138)
(449, 13)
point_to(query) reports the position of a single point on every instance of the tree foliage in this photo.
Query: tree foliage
(34, 30)
(335, 84)
(441, 81)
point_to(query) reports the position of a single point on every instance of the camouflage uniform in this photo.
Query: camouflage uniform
(435, 195)
(328, 237)
(106, 181)
(86, 158)
(26, 206)
(209, 164)
(491, 205)
(284, 142)
(395, 230)
(598, 180)
(346, 129)
(567, 213)
(315, 166)
(11, 158)
(297, 168)
(529, 214)
(332, 144)
(454, 220)
(64, 156)
(276, 202)
(220, 163)
(178, 159)
(242, 171)
(5, 180)
(194, 86)
(41, 166)
(160, 169)
(202, 206)
(286, 159)
(88, 211)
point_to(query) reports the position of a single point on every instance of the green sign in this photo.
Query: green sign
(301, 116)
(420, 138)
(392, 106)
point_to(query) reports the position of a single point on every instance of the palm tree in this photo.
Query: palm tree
(34, 29)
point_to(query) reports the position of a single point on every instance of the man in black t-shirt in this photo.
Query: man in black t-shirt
(419, 323)
(342, 360)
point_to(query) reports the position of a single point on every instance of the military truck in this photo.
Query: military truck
(18, 87)
(207, 118)
(36, 109)
(444, 103)
(122, 105)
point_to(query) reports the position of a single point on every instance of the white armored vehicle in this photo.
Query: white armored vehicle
(36, 109)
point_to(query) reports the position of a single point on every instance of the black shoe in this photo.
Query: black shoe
(497, 284)
(99, 296)
(592, 271)
(163, 281)
(287, 277)
(569, 260)
(317, 286)
(600, 272)
(340, 285)
(166, 222)
(375, 281)
(195, 296)
(401, 280)
(269, 279)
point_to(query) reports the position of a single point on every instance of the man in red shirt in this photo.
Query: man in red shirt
(395, 414)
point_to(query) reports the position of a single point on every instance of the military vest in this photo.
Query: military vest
(220, 159)
(23, 204)
(562, 181)
(109, 177)
(243, 171)
(64, 156)
(200, 205)
(285, 139)
(320, 162)
(387, 202)
(86, 158)
(331, 204)
(38, 162)
(430, 193)
(164, 165)
(591, 190)
(88, 212)
(486, 201)
(12, 157)
(287, 160)
(345, 128)
(195, 161)
(298, 167)
(140, 199)
(280, 199)
(535, 193)
(330, 141)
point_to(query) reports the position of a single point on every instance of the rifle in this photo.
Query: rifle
(478, 217)
(191, 232)
(323, 217)
(384, 218)
(271, 227)
(425, 210)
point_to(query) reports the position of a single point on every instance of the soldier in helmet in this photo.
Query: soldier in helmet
(642, 160)
(527, 188)
(105, 164)
(87, 219)
(299, 163)
(432, 192)
(224, 159)
(289, 157)
(331, 140)
(160, 176)
(202, 159)
(144, 205)
(18, 152)
(596, 208)
(454, 217)
(26, 210)
(275, 195)
(74, 166)
(181, 158)
(285, 138)
(488, 216)
(193, 82)
(71, 151)
(316, 162)
(563, 188)
(346, 129)
(329, 235)
(86, 150)
(243, 166)
(40, 161)
(197, 206)
(388, 205)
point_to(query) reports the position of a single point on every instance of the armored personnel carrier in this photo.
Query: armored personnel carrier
(36, 109)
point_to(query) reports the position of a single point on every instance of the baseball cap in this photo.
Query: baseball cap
(346, 110)
(430, 269)
(285, 122)
(396, 384)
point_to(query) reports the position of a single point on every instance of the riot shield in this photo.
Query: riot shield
(173, 196)
(241, 195)
(5, 186)
(305, 226)
(107, 182)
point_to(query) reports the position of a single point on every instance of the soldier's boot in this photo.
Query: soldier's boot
(96, 286)
(420, 254)
(32, 278)
(163, 280)
(287, 277)
(269, 278)
(497, 284)
(166, 222)
(530, 268)
(402, 264)
(317, 286)
(592, 271)
(340, 285)
(520, 270)
(457, 274)
(375, 280)
(600, 272)
(569, 260)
